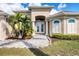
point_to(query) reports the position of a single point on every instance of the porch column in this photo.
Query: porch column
(65, 26)
(77, 25)
(33, 24)
(50, 27)
(46, 27)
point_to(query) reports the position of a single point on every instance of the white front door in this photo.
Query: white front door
(40, 27)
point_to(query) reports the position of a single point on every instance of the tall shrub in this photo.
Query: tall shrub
(21, 24)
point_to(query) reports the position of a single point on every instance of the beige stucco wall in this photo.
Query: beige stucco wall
(5, 28)
(50, 32)
(3, 34)
(77, 25)
(64, 24)
(40, 12)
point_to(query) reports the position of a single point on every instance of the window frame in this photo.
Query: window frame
(57, 24)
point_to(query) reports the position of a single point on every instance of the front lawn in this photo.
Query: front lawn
(58, 47)
(15, 52)
(63, 47)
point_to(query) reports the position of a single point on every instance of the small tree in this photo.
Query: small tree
(27, 26)
(22, 24)
(14, 20)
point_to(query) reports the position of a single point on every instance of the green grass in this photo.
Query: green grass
(58, 47)
(15, 52)
(63, 47)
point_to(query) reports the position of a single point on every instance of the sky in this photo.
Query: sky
(68, 6)
(57, 6)
(10, 7)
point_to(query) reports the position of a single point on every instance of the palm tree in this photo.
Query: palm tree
(14, 20)
(27, 25)
(21, 23)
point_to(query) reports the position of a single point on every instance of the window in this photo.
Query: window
(56, 26)
(71, 21)
(56, 22)
(71, 25)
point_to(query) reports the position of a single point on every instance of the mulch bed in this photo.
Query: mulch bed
(16, 38)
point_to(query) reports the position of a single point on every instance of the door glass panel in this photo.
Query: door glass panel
(42, 26)
(37, 28)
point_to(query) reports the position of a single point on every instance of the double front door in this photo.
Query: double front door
(40, 27)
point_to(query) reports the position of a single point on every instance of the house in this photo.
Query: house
(65, 22)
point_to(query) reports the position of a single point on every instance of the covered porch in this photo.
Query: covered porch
(40, 25)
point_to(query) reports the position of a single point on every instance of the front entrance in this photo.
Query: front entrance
(40, 24)
(40, 27)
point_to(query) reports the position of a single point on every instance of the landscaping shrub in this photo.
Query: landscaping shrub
(21, 24)
(65, 36)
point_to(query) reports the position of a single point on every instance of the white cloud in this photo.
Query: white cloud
(17, 6)
(10, 7)
(46, 5)
(62, 5)
(53, 11)
(35, 4)
(5, 8)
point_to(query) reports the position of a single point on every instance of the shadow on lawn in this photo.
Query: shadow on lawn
(37, 52)
(34, 50)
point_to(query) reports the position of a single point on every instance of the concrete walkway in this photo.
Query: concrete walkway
(36, 42)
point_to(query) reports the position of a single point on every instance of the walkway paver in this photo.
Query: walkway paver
(36, 42)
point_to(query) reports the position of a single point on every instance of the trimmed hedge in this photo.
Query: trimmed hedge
(65, 36)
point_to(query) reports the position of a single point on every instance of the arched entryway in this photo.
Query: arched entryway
(40, 24)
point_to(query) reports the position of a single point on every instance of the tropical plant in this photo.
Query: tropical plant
(21, 23)
(27, 25)
(14, 20)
